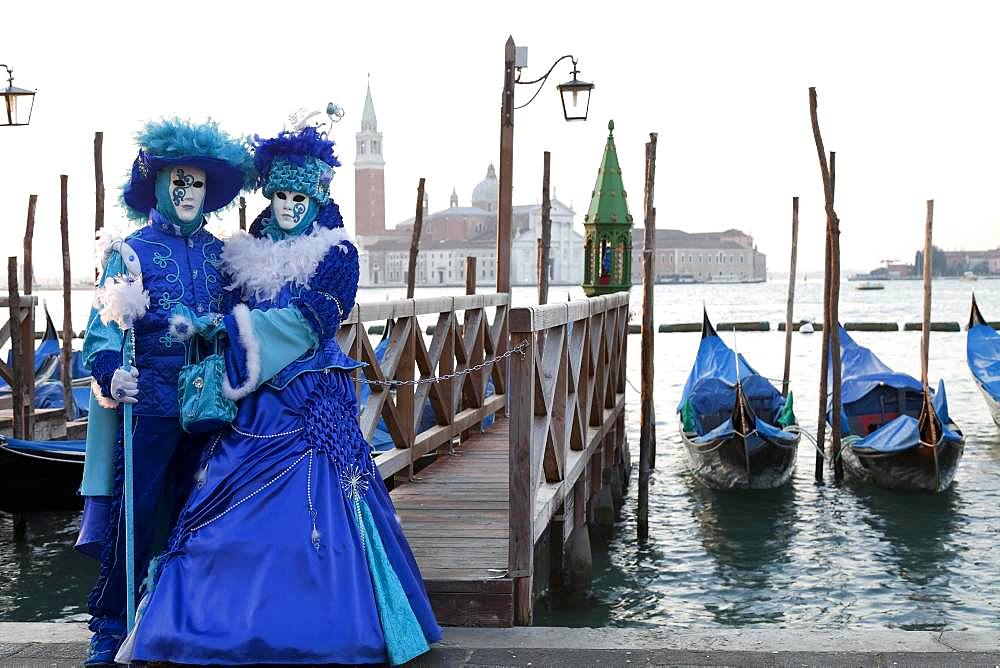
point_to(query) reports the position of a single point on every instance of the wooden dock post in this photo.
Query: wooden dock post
(67, 333)
(545, 241)
(418, 223)
(524, 475)
(243, 213)
(791, 298)
(647, 435)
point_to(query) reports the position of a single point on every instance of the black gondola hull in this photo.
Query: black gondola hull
(32, 482)
(724, 464)
(920, 469)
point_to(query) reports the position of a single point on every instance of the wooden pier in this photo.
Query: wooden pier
(499, 515)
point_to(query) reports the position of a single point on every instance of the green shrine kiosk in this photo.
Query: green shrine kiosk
(608, 229)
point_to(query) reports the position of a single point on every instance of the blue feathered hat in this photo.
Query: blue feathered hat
(227, 163)
(300, 161)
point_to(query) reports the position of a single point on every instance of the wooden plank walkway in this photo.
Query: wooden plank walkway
(456, 516)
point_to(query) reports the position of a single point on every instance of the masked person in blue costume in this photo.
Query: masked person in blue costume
(182, 172)
(288, 550)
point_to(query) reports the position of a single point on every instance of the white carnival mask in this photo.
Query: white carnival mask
(289, 208)
(187, 191)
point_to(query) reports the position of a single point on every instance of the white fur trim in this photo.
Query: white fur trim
(176, 320)
(102, 401)
(251, 345)
(122, 300)
(259, 268)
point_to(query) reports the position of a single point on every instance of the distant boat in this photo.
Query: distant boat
(969, 276)
(806, 327)
(870, 285)
(894, 436)
(983, 355)
(740, 433)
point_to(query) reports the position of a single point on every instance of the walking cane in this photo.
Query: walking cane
(128, 357)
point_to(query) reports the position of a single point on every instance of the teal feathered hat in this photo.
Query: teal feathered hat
(227, 162)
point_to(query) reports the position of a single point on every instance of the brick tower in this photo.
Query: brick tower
(369, 175)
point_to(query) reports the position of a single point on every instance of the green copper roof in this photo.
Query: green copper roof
(608, 204)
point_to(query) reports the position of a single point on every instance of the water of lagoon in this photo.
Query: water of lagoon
(807, 555)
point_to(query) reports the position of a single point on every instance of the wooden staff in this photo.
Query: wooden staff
(836, 429)
(647, 421)
(418, 223)
(546, 239)
(827, 281)
(98, 189)
(791, 297)
(243, 214)
(67, 333)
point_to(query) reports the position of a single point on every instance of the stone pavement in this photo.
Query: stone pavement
(34, 645)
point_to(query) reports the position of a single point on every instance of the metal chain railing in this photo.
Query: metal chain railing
(519, 349)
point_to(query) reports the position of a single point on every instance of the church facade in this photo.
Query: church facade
(451, 235)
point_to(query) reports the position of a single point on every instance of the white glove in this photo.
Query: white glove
(125, 385)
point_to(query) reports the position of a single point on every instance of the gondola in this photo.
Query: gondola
(40, 475)
(739, 432)
(895, 437)
(983, 354)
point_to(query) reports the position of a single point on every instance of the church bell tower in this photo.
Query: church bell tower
(369, 175)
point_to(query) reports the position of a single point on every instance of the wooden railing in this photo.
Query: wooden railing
(456, 344)
(567, 400)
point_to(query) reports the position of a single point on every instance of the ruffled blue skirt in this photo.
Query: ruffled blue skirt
(289, 550)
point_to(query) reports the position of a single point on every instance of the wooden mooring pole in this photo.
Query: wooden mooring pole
(647, 419)
(925, 334)
(418, 223)
(28, 324)
(836, 428)
(28, 274)
(470, 275)
(791, 297)
(829, 325)
(67, 333)
(545, 241)
(20, 391)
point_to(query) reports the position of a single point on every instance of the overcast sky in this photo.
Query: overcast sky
(908, 98)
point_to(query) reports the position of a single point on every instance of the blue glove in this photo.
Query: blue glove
(184, 324)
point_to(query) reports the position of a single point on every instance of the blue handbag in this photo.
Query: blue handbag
(202, 405)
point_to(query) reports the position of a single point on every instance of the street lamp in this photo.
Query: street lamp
(575, 96)
(15, 101)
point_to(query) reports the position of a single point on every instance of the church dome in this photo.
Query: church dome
(484, 195)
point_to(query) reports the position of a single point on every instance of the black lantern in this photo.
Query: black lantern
(575, 97)
(18, 103)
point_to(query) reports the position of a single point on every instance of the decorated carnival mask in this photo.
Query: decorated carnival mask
(290, 208)
(187, 188)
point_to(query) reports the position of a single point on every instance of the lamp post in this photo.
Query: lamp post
(575, 96)
(15, 100)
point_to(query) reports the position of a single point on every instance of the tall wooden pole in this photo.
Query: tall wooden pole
(836, 429)
(28, 324)
(828, 326)
(18, 388)
(791, 297)
(470, 275)
(418, 223)
(545, 243)
(98, 190)
(925, 330)
(647, 420)
(67, 333)
(243, 213)
(925, 336)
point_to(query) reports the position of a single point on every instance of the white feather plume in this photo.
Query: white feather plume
(181, 328)
(259, 268)
(121, 300)
(107, 236)
(251, 345)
